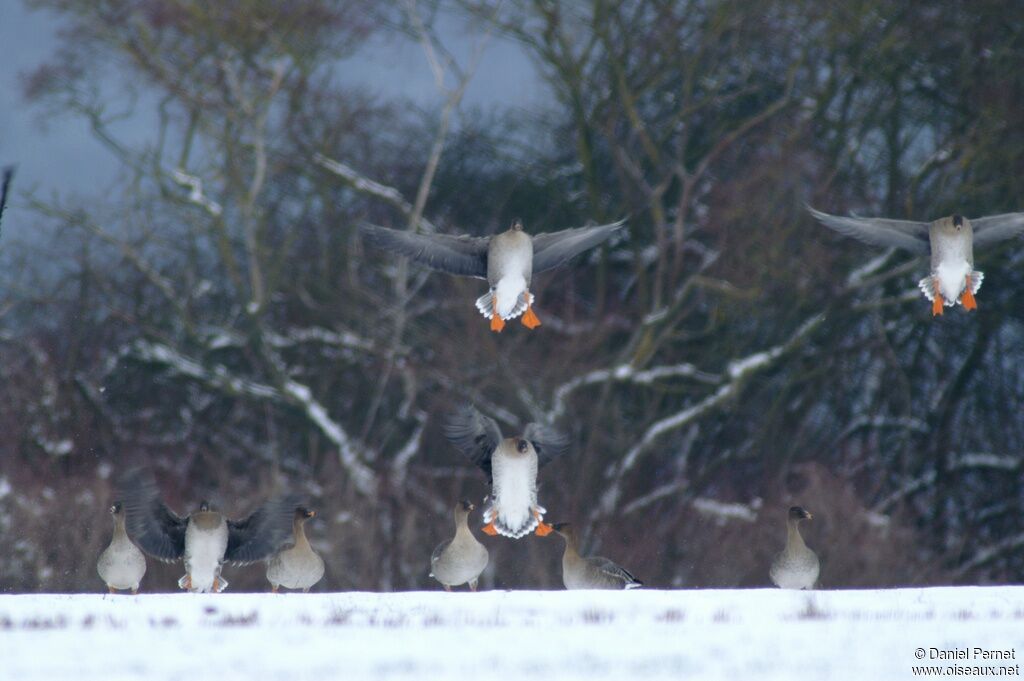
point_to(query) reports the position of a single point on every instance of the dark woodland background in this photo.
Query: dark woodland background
(218, 318)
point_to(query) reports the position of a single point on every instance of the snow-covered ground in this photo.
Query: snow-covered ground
(643, 634)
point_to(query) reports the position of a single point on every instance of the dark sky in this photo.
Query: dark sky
(60, 156)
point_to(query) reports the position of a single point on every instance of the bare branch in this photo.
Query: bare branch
(196, 194)
(626, 373)
(738, 372)
(292, 392)
(364, 185)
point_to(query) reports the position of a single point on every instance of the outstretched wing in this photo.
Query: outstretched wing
(552, 249)
(263, 533)
(153, 527)
(462, 255)
(906, 234)
(475, 435)
(549, 443)
(993, 228)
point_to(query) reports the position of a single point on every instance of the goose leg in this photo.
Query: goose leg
(497, 323)
(543, 529)
(530, 319)
(967, 297)
(937, 302)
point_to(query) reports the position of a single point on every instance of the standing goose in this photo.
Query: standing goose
(796, 566)
(461, 559)
(511, 467)
(951, 240)
(590, 572)
(206, 538)
(298, 566)
(507, 260)
(121, 565)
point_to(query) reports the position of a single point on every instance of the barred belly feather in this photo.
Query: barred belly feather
(514, 495)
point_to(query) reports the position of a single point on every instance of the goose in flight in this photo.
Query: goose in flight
(951, 241)
(506, 260)
(206, 538)
(510, 464)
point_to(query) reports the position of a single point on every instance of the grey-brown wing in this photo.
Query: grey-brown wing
(462, 255)
(263, 533)
(554, 248)
(615, 571)
(550, 443)
(153, 527)
(906, 234)
(438, 550)
(989, 230)
(475, 435)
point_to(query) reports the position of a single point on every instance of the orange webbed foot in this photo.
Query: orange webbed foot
(967, 298)
(490, 529)
(497, 323)
(530, 319)
(937, 302)
(543, 530)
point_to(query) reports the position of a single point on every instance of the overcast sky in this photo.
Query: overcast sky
(62, 157)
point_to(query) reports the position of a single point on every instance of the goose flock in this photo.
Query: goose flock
(275, 534)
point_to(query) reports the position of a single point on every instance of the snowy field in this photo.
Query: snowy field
(644, 634)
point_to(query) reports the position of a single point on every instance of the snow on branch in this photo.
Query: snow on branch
(218, 339)
(720, 511)
(737, 371)
(991, 553)
(877, 422)
(292, 392)
(369, 187)
(217, 376)
(195, 194)
(724, 512)
(362, 476)
(969, 461)
(626, 373)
